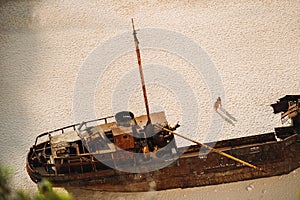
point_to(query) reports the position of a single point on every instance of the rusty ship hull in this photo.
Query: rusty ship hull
(134, 154)
(276, 153)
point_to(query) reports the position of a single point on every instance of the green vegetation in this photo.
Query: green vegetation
(45, 190)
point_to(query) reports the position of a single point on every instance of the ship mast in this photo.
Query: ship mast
(138, 55)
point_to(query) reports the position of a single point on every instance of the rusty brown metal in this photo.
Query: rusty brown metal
(190, 170)
(138, 54)
(215, 150)
(121, 139)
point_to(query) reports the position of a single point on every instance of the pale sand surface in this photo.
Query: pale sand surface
(278, 187)
(254, 46)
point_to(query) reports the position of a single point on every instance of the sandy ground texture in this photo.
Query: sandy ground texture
(62, 62)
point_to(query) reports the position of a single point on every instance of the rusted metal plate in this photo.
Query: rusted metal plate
(124, 141)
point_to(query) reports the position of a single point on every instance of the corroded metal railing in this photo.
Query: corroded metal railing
(62, 130)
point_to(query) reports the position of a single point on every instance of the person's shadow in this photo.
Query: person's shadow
(226, 116)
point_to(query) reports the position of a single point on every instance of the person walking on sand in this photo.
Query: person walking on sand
(218, 104)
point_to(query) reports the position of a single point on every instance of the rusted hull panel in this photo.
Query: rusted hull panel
(162, 181)
(192, 170)
(282, 104)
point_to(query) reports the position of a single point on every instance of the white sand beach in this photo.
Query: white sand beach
(63, 62)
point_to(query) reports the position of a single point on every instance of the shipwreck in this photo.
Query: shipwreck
(125, 153)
